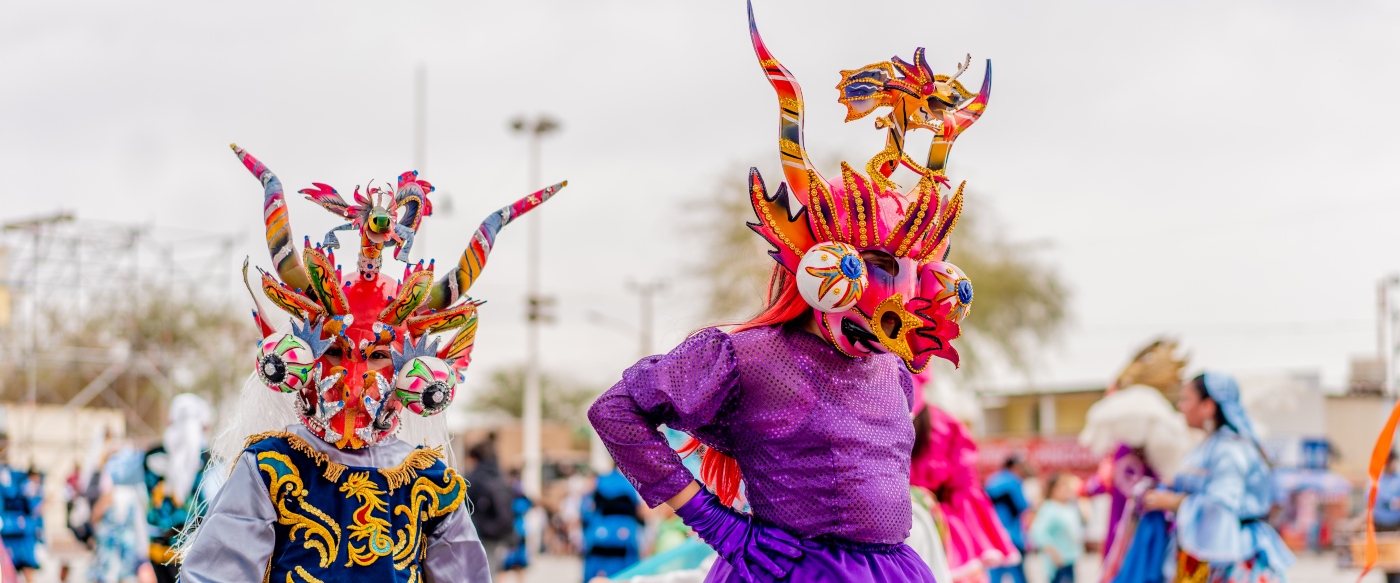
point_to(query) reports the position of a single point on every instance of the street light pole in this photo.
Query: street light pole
(531, 475)
(646, 292)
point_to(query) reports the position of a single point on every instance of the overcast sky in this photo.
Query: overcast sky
(1220, 171)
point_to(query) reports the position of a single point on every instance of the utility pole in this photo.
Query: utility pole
(646, 292)
(534, 130)
(1387, 322)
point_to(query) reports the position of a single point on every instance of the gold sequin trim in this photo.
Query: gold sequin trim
(790, 148)
(760, 202)
(420, 459)
(918, 229)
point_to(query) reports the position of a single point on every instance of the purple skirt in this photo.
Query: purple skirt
(828, 562)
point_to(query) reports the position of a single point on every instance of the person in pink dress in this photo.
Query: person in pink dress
(945, 462)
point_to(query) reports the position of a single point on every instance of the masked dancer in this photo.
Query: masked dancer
(340, 485)
(809, 402)
(1142, 439)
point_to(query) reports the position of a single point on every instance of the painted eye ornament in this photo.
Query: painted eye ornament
(285, 362)
(831, 276)
(426, 385)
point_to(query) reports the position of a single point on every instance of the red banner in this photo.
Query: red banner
(1045, 455)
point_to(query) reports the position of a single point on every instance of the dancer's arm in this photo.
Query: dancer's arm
(235, 540)
(686, 390)
(1208, 523)
(455, 553)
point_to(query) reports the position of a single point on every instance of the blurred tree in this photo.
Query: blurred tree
(141, 346)
(735, 270)
(1020, 303)
(563, 403)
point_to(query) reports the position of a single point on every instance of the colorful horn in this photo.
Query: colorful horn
(456, 283)
(958, 120)
(279, 227)
(797, 168)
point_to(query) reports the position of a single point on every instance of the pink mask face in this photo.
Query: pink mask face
(915, 319)
(878, 322)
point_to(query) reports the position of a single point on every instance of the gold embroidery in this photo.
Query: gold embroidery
(284, 487)
(427, 500)
(306, 577)
(367, 527)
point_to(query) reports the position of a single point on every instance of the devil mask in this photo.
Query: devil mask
(363, 347)
(868, 257)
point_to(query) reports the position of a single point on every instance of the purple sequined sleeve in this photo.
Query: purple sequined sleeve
(685, 390)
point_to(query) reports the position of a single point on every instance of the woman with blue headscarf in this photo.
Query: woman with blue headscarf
(1222, 495)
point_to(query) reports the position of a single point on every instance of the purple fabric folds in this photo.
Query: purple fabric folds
(823, 439)
(833, 563)
(756, 551)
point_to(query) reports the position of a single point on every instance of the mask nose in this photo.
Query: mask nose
(892, 320)
(890, 324)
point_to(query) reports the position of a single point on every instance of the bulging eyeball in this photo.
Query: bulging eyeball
(948, 288)
(831, 276)
(426, 385)
(285, 362)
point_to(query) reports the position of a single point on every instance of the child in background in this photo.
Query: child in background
(1058, 528)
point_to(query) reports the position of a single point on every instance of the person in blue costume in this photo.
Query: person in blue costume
(20, 524)
(119, 521)
(519, 557)
(1387, 510)
(1222, 495)
(174, 473)
(1008, 497)
(611, 526)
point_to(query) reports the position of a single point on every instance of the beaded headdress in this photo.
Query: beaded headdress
(364, 346)
(1156, 366)
(910, 304)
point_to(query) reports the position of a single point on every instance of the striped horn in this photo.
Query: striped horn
(279, 228)
(797, 168)
(456, 282)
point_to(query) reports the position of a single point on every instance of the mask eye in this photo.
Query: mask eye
(882, 260)
(426, 385)
(831, 277)
(284, 362)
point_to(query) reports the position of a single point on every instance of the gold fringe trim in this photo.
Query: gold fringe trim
(331, 470)
(404, 473)
(398, 476)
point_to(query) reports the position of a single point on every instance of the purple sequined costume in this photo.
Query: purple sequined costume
(823, 441)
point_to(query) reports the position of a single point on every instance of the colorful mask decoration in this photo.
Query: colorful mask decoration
(903, 298)
(359, 350)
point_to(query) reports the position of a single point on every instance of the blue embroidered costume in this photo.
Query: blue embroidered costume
(332, 515)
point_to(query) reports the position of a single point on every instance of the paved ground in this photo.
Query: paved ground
(1310, 569)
